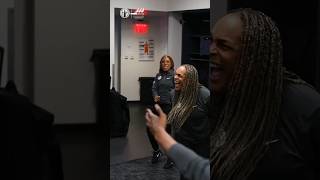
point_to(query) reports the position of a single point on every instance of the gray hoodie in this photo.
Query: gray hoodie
(162, 85)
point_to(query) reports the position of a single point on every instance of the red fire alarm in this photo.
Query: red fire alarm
(141, 28)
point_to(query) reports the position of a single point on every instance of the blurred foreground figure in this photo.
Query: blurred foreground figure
(265, 119)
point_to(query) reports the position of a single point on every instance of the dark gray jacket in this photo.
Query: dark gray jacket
(194, 133)
(190, 165)
(162, 85)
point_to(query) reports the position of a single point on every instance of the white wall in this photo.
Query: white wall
(66, 32)
(163, 5)
(180, 5)
(132, 69)
(4, 5)
(133, 4)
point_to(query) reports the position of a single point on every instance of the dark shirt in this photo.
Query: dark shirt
(162, 85)
(294, 149)
(194, 133)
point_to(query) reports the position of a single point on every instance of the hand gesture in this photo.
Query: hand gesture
(156, 99)
(154, 122)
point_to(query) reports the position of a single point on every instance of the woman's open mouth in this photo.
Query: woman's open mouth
(216, 72)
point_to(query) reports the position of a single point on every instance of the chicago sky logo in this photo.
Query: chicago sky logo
(125, 12)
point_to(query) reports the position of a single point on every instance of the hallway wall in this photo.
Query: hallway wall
(131, 66)
(65, 36)
(4, 5)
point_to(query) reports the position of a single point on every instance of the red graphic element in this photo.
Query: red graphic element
(139, 12)
(146, 48)
(141, 28)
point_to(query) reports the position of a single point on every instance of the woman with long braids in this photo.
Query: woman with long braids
(189, 114)
(265, 119)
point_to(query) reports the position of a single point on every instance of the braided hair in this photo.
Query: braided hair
(251, 107)
(186, 99)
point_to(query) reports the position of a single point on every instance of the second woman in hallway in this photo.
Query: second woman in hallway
(189, 115)
(162, 85)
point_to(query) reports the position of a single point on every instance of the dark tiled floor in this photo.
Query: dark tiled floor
(136, 144)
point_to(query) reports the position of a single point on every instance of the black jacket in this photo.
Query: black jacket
(33, 150)
(294, 153)
(194, 133)
(162, 85)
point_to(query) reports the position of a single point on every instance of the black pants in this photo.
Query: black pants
(166, 109)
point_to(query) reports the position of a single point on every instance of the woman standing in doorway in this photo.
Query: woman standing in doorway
(162, 85)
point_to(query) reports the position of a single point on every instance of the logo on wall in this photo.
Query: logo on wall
(124, 13)
(138, 13)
